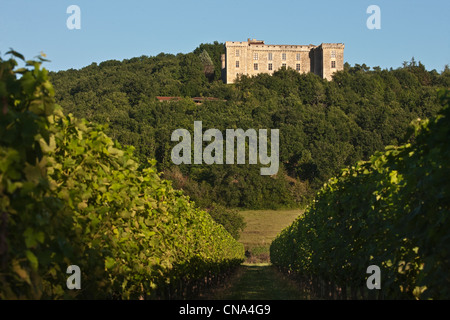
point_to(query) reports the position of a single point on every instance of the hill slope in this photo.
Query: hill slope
(324, 126)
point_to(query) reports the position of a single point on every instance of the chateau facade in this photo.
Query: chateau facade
(252, 57)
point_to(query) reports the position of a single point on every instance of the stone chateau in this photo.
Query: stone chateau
(252, 57)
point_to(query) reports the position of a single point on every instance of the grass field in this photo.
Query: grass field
(262, 227)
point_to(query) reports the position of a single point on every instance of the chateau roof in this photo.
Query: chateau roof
(258, 43)
(254, 41)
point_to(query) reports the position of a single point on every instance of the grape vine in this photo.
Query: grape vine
(392, 211)
(71, 195)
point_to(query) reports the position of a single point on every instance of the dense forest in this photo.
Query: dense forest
(324, 125)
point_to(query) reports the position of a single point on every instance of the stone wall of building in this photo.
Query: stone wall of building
(254, 56)
(332, 59)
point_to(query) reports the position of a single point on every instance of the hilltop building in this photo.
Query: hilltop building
(252, 57)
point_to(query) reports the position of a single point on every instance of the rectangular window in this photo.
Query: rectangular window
(333, 64)
(270, 66)
(297, 56)
(255, 66)
(270, 56)
(297, 67)
(283, 56)
(255, 56)
(237, 53)
(283, 65)
(237, 63)
(333, 54)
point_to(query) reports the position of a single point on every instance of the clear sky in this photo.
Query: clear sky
(125, 29)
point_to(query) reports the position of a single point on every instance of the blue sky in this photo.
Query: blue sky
(125, 29)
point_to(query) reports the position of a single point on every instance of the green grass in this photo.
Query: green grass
(262, 227)
(257, 279)
(257, 282)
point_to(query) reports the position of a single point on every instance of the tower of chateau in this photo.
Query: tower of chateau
(252, 57)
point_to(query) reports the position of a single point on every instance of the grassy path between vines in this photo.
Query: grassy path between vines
(258, 282)
(256, 279)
